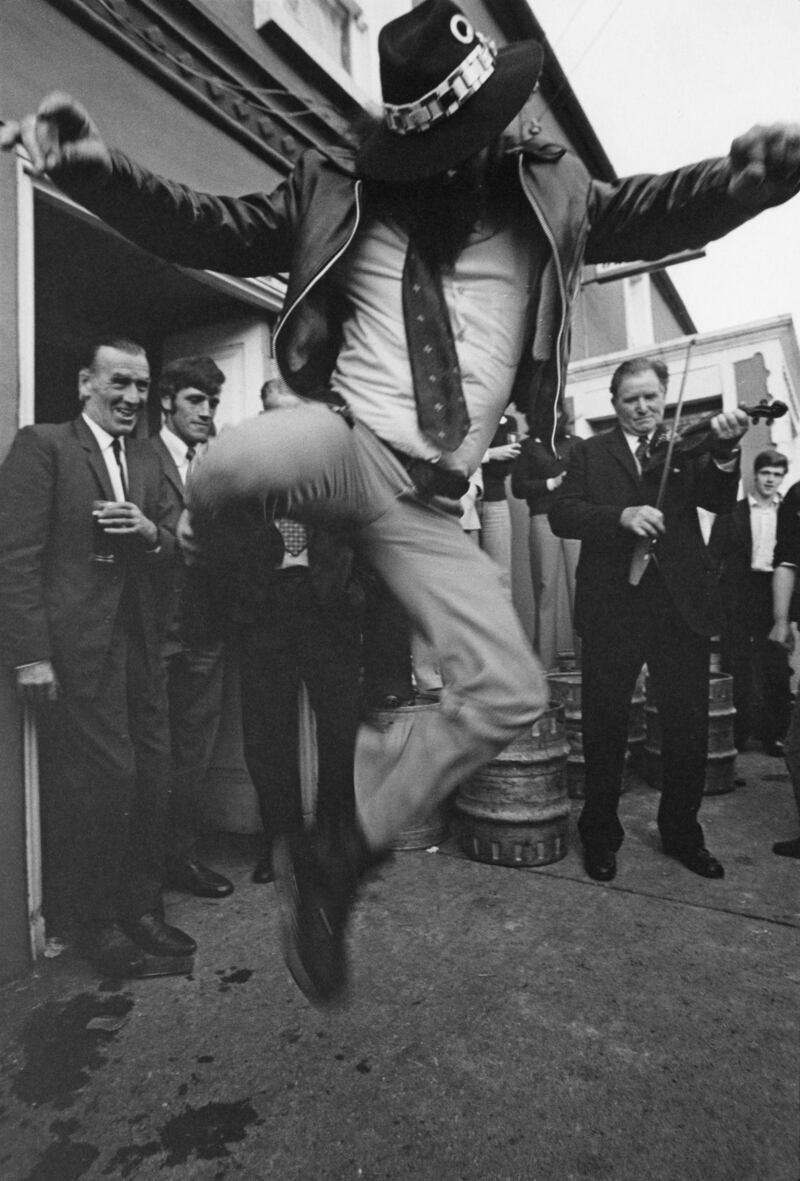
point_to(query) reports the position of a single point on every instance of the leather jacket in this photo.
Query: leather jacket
(309, 220)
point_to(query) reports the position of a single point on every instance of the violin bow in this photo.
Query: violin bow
(645, 546)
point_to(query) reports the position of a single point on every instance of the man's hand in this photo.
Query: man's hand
(765, 165)
(60, 133)
(554, 482)
(508, 451)
(643, 519)
(782, 634)
(37, 684)
(189, 546)
(122, 517)
(727, 428)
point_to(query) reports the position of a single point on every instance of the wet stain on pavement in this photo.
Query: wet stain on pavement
(66, 1160)
(237, 976)
(60, 1052)
(206, 1132)
(200, 1132)
(126, 1161)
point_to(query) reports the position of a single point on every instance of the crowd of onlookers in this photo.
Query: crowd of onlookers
(118, 635)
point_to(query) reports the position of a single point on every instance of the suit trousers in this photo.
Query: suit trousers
(649, 631)
(493, 686)
(760, 667)
(194, 690)
(107, 785)
(298, 639)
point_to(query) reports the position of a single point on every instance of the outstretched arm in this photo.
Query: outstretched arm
(644, 217)
(246, 235)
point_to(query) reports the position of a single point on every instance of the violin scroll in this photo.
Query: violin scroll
(696, 438)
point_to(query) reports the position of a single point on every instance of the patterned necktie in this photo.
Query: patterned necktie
(116, 447)
(441, 410)
(295, 538)
(187, 471)
(641, 452)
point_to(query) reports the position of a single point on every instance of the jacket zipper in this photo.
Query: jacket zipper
(323, 270)
(561, 285)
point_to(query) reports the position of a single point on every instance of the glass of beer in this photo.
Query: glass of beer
(102, 543)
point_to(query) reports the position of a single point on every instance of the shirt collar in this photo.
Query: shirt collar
(774, 501)
(176, 447)
(104, 439)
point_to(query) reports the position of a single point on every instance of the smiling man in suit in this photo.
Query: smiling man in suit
(189, 390)
(608, 501)
(82, 534)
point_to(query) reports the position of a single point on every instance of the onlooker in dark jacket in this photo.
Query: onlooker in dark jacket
(82, 536)
(743, 543)
(189, 390)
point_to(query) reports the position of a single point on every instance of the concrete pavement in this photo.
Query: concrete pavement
(504, 1025)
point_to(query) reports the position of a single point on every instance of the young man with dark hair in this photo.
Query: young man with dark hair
(431, 271)
(189, 391)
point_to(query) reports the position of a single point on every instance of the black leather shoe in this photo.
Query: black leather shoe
(263, 871)
(153, 935)
(787, 848)
(775, 749)
(110, 950)
(600, 864)
(701, 862)
(314, 908)
(198, 879)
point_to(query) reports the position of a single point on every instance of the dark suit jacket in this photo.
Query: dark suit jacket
(601, 481)
(174, 573)
(243, 550)
(55, 602)
(536, 465)
(731, 547)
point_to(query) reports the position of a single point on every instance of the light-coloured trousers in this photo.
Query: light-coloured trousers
(553, 564)
(493, 685)
(496, 538)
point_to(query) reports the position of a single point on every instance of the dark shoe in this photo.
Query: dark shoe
(600, 864)
(153, 935)
(263, 871)
(110, 950)
(787, 848)
(776, 749)
(315, 904)
(700, 861)
(197, 879)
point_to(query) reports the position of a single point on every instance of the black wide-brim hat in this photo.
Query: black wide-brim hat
(447, 93)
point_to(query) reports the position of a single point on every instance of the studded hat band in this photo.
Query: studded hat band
(446, 98)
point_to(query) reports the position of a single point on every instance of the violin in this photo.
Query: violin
(696, 438)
